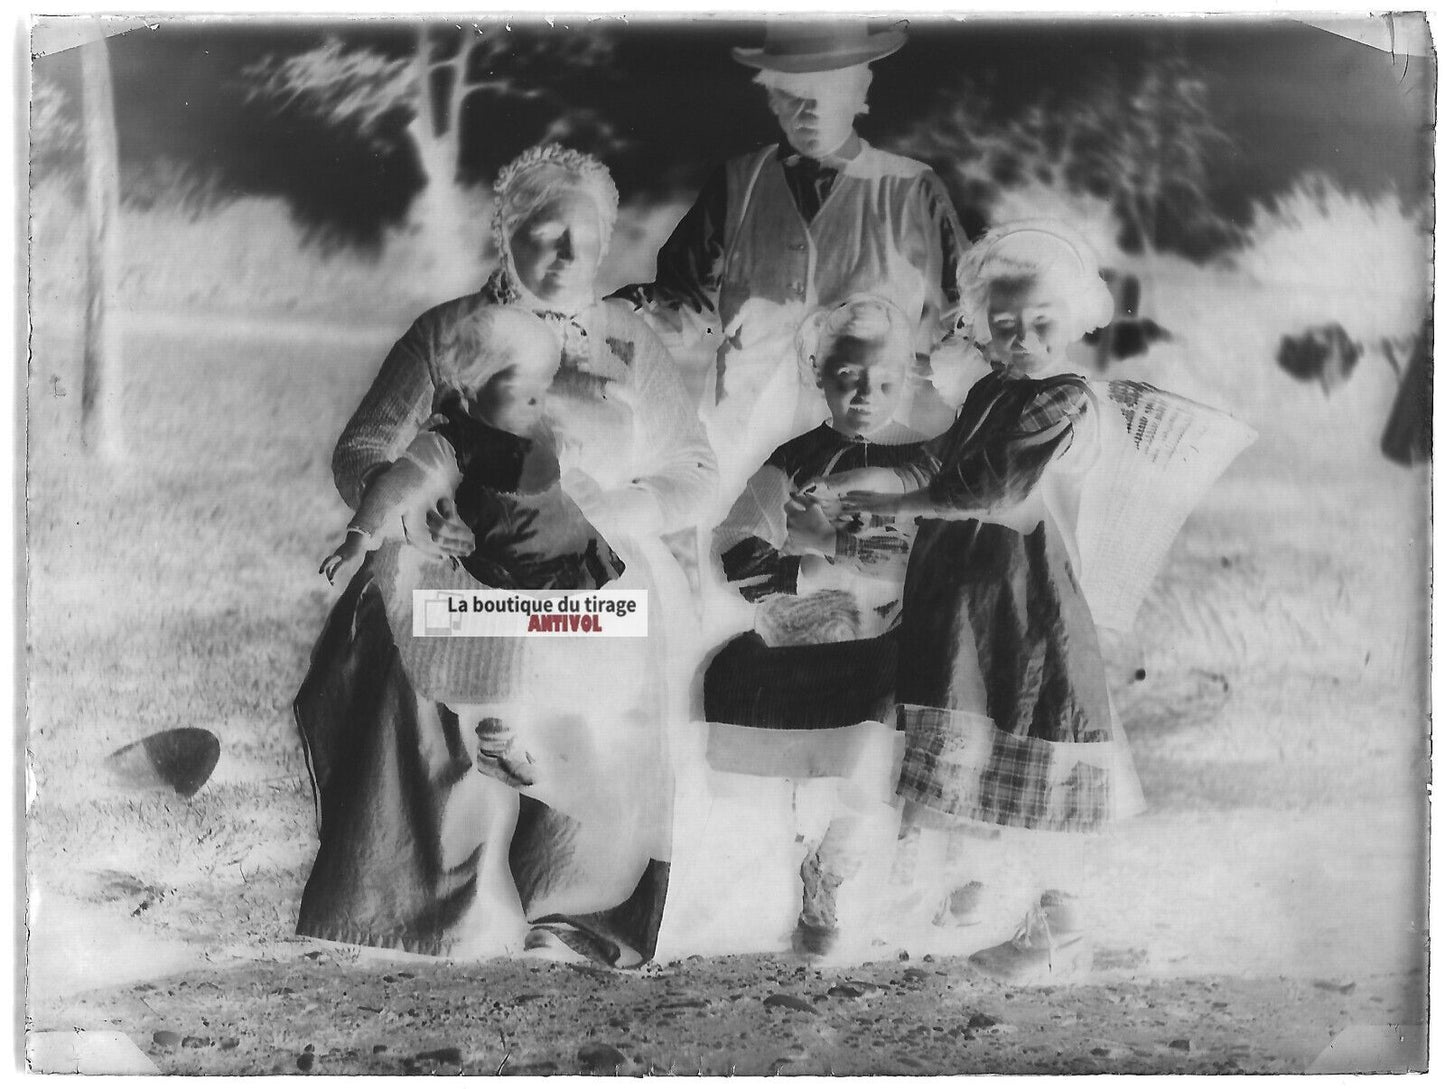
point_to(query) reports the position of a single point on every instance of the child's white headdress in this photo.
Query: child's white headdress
(1031, 249)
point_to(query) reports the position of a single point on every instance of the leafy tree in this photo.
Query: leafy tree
(1144, 141)
(432, 101)
(1147, 144)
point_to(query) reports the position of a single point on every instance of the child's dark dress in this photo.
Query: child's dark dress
(1000, 684)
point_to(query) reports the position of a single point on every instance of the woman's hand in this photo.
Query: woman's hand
(446, 536)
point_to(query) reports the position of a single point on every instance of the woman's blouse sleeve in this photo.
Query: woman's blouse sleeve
(392, 412)
(678, 469)
(1002, 468)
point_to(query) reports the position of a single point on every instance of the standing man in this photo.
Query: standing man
(801, 224)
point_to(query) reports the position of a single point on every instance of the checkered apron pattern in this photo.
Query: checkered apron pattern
(960, 764)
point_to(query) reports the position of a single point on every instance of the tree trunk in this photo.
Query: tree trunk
(449, 243)
(101, 382)
(441, 219)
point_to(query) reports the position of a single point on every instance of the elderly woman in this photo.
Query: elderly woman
(412, 837)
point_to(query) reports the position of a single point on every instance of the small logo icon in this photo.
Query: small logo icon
(439, 619)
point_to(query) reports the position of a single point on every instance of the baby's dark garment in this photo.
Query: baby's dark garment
(533, 540)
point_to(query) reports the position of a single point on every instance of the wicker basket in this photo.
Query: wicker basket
(1137, 497)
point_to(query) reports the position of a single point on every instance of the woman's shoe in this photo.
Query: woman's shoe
(568, 945)
(1049, 947)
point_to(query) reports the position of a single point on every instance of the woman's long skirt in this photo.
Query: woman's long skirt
(403, 821)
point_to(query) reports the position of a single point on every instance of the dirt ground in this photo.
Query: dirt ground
(1271, 898)
(316, 1013)
(1230, 982)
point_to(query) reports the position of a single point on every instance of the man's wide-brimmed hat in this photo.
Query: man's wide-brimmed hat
(820, 46)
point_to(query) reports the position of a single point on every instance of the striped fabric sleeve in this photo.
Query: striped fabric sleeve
(390, 415)
(1061, 402)
(1089, 419)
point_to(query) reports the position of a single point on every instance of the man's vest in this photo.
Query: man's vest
(874, 233)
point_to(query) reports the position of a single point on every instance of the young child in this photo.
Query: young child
(1000, 685)
(488, 450)
(803, 696)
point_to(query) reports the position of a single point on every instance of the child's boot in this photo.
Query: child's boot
(833, 861)
(817, 930)
(1050, 946)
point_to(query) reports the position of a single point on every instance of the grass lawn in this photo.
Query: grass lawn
(1283, 695)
